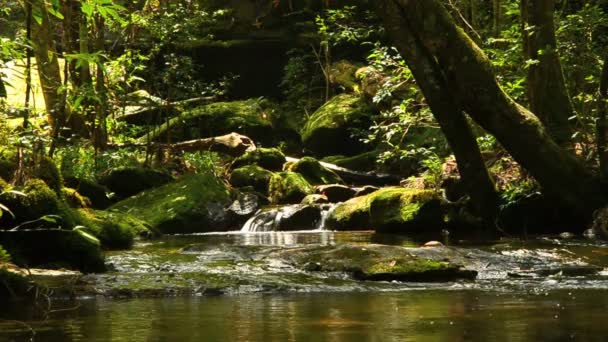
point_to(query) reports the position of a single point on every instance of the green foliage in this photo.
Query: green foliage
(348, 25)
(434, 171)
(515, 191)
(4, 256)
(205, 162)
(81, 161)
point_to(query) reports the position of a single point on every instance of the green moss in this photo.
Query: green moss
(329, 131)
(74, 199)
(361, 162)
(314, 172)
(39, 200)
(342, 74)
(3, 185)
(251, 175)
(4, 256)
(179, 207)
(249, 117)
(114, 230)
(7, 169)
(288, 187)
(268, 158)
(128, 181)
(94, 192)
(49, 173)
(402, 265)
(352, 214)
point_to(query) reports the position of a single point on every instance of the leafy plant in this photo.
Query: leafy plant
(4, 256)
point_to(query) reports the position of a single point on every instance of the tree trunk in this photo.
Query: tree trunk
(48, 66)
(100, 133)
(496, 16)
(547, 91)
(470, 79)
(447, 112)
(602, 134)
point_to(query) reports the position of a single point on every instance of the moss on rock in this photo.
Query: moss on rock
(329, 131)
(128, 181)
(7, 169)
(96, 193)
(361, 162)
(393, 210)
(47, 171)
(249, 117)
(268, 158)
(114, 230)
(75, 199)
(251, 175)
(288, 188)
(191, 204)
(314, 172)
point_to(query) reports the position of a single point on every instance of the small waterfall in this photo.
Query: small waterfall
(288, 218)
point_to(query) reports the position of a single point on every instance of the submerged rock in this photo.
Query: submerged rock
(390, 210)
(288, 188)
(54, 248)
(329, 131)
(267, 158)
(314, 172)
(125, 182)
(194, 203)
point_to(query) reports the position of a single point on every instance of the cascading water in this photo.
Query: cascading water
(289, 218)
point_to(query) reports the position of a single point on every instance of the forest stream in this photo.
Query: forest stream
(235, 286)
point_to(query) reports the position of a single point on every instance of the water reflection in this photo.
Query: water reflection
(405, 316)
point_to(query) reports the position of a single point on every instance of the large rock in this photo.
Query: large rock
(391, 210)
(128, 181)
(268, 158)
(54, 248)
(96, 193)
(115, 230)
(330, 130)
(251, 175)
(336, 192)
(288, 188)
(248, 117)
(314, 172)
(194, 203)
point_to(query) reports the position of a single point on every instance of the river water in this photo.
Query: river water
(254, 300)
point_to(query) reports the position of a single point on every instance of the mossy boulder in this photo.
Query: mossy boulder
(75, 199)
(96, 193)
(54, 248)
(336, 192)
(376, 262)
(35, 201)
(7, 169)
(314, 172)
(288, 188)
(390, 210)
(114, 230)
(365, 161)
(249, 117)
(193, 203)
(315, 199)
(128, 181)
(331, 129)
(342, 76)
(251, 175)
(268, 158)
(47, 170)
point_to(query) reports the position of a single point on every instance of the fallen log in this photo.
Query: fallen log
(359, 177)
(156, 112)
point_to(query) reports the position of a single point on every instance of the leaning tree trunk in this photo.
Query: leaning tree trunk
(470, 79)
(447, 112)
(48, 66)
(547, 91)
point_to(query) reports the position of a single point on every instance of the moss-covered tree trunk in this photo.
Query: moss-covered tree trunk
(547, 91)
(470, 79)
(447, 112)
(48, 65)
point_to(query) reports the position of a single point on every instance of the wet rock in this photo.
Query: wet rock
(314, 172)
(329, 130)
(54, 248)
(336, 192)
(184, 206)
(366, 190)
(251, 175)
(267, 158)
(288, 187)
(125, 182)
(305, 217)
(433, 244)
(566, 236)
(243, 207)
(361, 162)
(315, 199)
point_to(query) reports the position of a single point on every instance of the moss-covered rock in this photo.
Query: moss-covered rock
(96, 193)
(75, 199)
(7, 169)
(54, 248)
(47, 170)
(315, 199)
(37, 200)
(288, 188)
(268, 158)
(376, 262)
(251, 175)
(115, 230)
(314, 172)
(392, 210)
(342, 76)
(361, 162)
(336, 192)
(194, 203)
(402, 210)
(329, 131)
(128, 181)
(248, 117)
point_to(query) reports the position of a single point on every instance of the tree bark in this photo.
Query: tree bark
(447, 112)
(601, 125)
(547, 91)
(470, 79)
